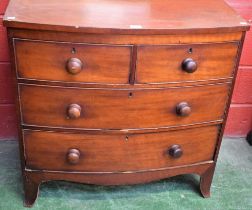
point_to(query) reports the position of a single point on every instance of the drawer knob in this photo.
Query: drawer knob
(73, 156)
(175, 151)
(74, 66)
(189, 65)
(74, 111)
(183, 109)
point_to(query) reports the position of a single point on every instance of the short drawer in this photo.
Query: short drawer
(69, 62)
(185, 63)
(118, 152)
(121, 109)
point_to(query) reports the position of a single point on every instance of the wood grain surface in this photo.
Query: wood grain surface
(121, 109)
(132, 17)
(164, 63)
(106, 152)
(48, 60)
(126, 39)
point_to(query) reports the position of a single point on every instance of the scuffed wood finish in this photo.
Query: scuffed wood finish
(48, 61)
(162, 64)
(115, 153)
(129, 17)
(121, 109)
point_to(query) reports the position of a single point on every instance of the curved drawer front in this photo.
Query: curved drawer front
(161, 64)
(106, 152)
(121, 109)
(52, 61)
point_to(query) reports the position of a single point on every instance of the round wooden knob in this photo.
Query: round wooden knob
(74, 65)
(183, 109)
(73, 156)
(189, 65)
(175, 151)
(74, 111)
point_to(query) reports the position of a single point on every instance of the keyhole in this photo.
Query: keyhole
(130, 95)
(73, 50)
(190, 50)
(126, 138)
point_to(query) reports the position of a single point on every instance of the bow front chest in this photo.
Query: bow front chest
(121, 92)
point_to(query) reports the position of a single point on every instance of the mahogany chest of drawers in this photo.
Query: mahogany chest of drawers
(121, 92)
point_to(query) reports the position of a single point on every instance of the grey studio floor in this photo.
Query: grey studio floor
(231, 187)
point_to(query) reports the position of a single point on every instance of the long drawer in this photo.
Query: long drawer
(121, 109)
(107, 152)
(71, 62)
(185, 63)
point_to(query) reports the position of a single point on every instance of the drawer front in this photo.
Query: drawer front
(68, 62)
(181, 63)
(104, 152)
(121, 109)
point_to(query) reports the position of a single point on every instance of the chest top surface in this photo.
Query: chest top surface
(124, 16)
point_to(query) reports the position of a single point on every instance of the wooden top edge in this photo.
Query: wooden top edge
(125, 17)
(122, 31)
